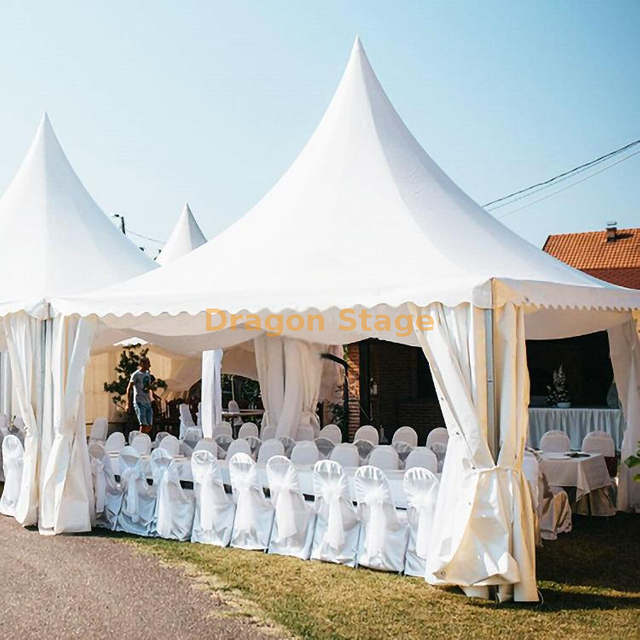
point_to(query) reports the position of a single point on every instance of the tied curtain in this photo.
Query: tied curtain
(211, 395)
(483, 532)
(66, 502)
(624, 347)
(270, 365)
(25, 342)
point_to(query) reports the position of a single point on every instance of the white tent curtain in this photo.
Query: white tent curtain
(5, 384)
(624, 347)
(303, 374)
(211, 394)
(66, 503)
(25, 344)
(483, 530)
(270, 365)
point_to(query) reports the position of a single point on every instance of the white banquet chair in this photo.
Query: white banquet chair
(238, 446)
(175, 507)
(254, 444)
(421, 489)
(192, 435)
(170, 444)
(99, 430)
(305, 453)
(367, 432)
(207, 444)
(294, 520)
(439, 434)
(346, 455)
(332, 432)
(139, 499)
(599, 442)
(440, 451)
(422, 457)
(159, 436)
(305, 432)
(288, 444)
(325, 447)
(555, 442)
(268, 432)
(115, 442)
(106, 490)
(403, 450)
(405, 434)
(132, 434)
(248, 429)
(383, 542)
(254, 513)
(142, 444)
(213, 521)
(364, 447)
(337, 525)
(186, 419)
(12, 463)
(385, 457)
(269, 449)
(224, 442)
(222, 429)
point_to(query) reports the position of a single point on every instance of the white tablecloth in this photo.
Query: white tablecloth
(585, 474)
(305, 477)
(576, 423)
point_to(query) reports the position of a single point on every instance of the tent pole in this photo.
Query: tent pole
(493, 429)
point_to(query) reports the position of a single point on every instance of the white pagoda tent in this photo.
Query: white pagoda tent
(185, 237)
(423, 247)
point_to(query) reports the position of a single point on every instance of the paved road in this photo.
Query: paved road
(95, 587)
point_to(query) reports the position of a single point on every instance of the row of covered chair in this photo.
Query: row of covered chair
(331, 528)
(557, 441)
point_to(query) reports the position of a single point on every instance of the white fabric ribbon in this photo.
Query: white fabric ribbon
(332, 495)
(99, 483)
(164, 476)
(284, 488)
(374, 500)
(243, 485)
(424, 504)
(129, 478)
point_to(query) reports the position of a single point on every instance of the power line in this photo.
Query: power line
(561, 177)
(139, 235)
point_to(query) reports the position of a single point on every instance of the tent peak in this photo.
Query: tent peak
(185, 237)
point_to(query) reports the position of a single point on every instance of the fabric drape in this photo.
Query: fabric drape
(624, 346)
(483, 528)
(67, 503)
(25, 344)
(270, 365)
(211, 407)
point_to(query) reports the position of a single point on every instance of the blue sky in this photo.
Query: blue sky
(157, 102)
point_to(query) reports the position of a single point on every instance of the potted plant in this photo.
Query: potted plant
(558, 392)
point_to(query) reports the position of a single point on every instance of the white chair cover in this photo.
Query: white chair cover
(385, 457)
(186, 419)
(170, 444)
(422, 457)
(207, 444)
(421, 489)
(215, 509)
(234, 407)
(294, 520)
(364, 447)
(159, 437)
(367, 432)
(440, 451)
(305, 453)
(288, 444)
(268, 432)
(305, 432)
(439, 434)
(269, 449)
(383, 543)
(331, 432)
(599, 442)
(248, 429)
(254, 513)
(99, 429)
(142, 444)
(132, 435)
(346, 455)
(406, 434)
(555, 442)
(238, 446)
(175, 507)
(192, 434)
(325, 447)
(403, 450)
(106, 490)
(254, 445)
(337, 527)
(12, 463)
(224, 442)
(115, 442)
(223, 429)
(139, 499)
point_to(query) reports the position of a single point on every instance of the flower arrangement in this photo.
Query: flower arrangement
(558, 392)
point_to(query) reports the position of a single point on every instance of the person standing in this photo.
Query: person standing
(140, 383)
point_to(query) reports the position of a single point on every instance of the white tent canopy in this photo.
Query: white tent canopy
(365, 219)
(185, 237)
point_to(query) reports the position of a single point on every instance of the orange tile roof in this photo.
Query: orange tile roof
(590, 250)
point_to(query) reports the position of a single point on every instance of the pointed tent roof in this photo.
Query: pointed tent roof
(56, 240)
(185, 237)
(363, 217)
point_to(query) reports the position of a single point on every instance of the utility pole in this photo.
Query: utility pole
(122, 225)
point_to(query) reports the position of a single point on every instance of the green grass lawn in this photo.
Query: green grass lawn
(589, 579)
